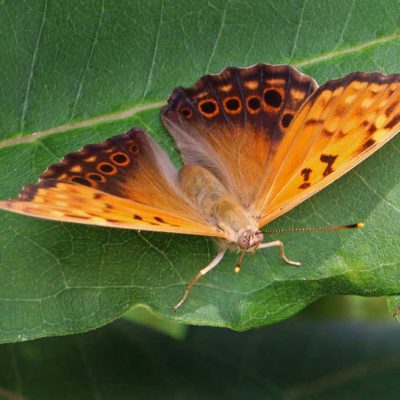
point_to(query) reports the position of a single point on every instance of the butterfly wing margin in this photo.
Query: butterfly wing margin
(342, 123)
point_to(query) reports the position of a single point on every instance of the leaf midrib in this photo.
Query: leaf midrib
(81, 124)
(143, 107)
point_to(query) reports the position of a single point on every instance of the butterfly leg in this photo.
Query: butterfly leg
(202, 272)
(278, 243)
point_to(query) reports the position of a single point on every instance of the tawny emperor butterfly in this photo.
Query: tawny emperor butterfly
(255, 143)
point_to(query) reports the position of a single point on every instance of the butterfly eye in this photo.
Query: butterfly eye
(287, 119)
(107, 168)
(272, 98)
(253, 104)
(120, 159)
(208, 108)
(232, 105)
(244, 242)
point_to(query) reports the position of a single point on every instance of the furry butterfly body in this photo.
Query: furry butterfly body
(255, 143)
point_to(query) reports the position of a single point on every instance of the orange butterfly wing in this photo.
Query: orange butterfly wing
(340, 125)
(126, 182)
(273, 138)
(233, 123)
(262, 131)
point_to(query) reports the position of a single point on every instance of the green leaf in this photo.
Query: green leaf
(79, 72)
(289, 361)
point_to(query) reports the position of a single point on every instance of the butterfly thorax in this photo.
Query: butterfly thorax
(214, 201)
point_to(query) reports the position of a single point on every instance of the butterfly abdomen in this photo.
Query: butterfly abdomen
(211, 197)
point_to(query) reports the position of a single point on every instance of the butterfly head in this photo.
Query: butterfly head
(249, 239)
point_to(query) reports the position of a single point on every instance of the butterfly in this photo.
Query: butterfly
(255, 143)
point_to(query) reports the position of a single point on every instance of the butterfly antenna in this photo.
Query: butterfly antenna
(239, 263)
(358, 225)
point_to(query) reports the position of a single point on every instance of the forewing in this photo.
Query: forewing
(233, 123)
(340, 125)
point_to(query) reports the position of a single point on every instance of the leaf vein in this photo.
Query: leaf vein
(221, 27)
(81, 124)
(33, 64)
(296, 38)
(348, 50)
(153, 61)
(372, 190)
(346, 23)
(162, 253)
(94, 43)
